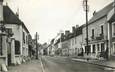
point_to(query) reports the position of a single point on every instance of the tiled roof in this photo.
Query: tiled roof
(10, 17)
(103, 12)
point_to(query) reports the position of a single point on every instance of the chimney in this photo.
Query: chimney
(77, 26)
(1, 10)
(67, 32)
(73, 29)
(17, 13)
(62, 35)
(94, 13)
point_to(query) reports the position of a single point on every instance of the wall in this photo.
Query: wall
(75, 45)
(97, 31)
(65, 47)
(25, 45)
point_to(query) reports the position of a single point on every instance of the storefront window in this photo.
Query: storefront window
(93, 48)
(98, 49)
(17, 47)
(102, 47)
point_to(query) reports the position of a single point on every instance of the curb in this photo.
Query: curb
(42, 66)
(94, 63)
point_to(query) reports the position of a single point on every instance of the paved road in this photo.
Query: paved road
(60, 64)
(32, 66)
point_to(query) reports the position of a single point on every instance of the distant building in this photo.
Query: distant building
(101, 36)
(44, 49)
(76, 41)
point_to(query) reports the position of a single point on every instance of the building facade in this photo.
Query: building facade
(101, 42)
(98, 36)
(16, 45)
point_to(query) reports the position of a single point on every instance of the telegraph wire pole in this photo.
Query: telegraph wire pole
(86, 9)
(36, 38)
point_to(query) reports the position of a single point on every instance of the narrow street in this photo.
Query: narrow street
(61, 64)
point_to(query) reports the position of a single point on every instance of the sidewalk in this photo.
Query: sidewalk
(110, 63)
(32, 66)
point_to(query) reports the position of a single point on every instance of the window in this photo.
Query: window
(75, 40)
(85, 49)
(26, 39)
(72, 41)
(23, 37)
(88, 49)
(101, 29)
(114, 29)
(114, 48)
(0, 45)
(93, 48)
(17, 47)
(92, 33)
(9, 31)
(98, 47)
(102, 47)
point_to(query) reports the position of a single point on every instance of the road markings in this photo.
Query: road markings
(43, 70)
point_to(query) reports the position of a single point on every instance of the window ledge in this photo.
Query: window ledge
(2, 56)
(17, 55)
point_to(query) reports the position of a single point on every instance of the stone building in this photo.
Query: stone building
(76, 41)
(20, 32)
(111, 31)
(97, 33)
(16, 47)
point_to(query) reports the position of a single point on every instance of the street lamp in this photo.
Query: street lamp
(86, 9)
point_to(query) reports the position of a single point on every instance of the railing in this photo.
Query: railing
(100, 37)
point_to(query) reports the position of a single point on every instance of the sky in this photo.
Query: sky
(49, 17)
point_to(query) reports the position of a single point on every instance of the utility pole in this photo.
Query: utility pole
(61, 41)
(86, 9)
(114, 5)
(36, 37)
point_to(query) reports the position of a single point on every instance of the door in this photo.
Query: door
(9, 54)
(102, 47)
(113, 48)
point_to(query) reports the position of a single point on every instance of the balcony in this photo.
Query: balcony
(92, 37)
(100, 37)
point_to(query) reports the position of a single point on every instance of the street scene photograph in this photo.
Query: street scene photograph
(57, 35)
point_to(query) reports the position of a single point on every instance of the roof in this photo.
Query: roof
(11, 18)
(100, 14)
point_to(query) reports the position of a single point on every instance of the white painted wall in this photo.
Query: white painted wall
(18, 35)
(97, 31)
(76, 43)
